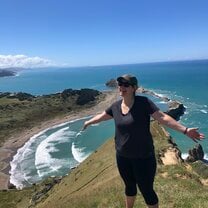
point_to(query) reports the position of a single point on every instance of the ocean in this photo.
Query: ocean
(54, 151)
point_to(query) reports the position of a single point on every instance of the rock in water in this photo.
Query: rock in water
(111, 83)
(176, 110)
(195, 154)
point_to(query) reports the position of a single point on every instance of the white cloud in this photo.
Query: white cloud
(24, 61)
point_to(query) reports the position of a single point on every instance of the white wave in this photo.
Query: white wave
(163, 93)
(206, 157)
(205, 106)
(19, 173)
(162, 102)
(78, 153)
(44, 162)
(184, 155)
(17, 170)
(95, 124)
(78, 134)
(159, 95)
(204, 111)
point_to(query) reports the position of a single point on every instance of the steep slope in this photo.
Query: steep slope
(96, 183)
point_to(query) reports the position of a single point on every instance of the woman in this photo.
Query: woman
(133, 141)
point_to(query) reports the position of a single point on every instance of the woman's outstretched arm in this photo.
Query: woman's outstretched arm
(96, 119)
(168, 121)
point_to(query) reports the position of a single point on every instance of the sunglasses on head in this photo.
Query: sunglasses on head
(124, 84)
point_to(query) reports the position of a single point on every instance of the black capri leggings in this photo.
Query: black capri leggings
(141, 172)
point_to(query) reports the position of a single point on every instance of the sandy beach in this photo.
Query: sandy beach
(10, 147)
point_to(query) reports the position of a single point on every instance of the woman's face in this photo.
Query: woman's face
(125, 89)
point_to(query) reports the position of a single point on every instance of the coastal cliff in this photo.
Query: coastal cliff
(96, 182)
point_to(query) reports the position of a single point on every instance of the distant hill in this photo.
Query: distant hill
(10, 71)
(6, 73)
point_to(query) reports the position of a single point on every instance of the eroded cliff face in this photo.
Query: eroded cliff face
(195, 154)
(176, 109)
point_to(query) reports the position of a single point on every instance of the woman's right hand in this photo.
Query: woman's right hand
(96, 119)
(86, 124)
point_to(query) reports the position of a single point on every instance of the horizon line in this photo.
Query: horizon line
(119, 64)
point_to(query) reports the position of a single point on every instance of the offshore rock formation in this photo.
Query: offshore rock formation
(176, 109)
(6, 73)
(112, 83)
(195, 154)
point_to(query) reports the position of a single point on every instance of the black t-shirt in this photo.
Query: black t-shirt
(132, 130)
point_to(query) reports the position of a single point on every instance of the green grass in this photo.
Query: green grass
(98, 184)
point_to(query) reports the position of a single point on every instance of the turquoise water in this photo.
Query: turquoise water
(186, 82)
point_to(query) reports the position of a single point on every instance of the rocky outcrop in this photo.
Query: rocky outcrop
(149, 92)
(170, 155)
(84, 95)
(195, 154)
(175, 110)
(69, 92)
(111, 83)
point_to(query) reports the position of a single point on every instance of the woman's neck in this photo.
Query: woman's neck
(128, 100)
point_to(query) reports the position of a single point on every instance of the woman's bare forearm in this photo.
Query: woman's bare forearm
(168, 121)
(96, 119)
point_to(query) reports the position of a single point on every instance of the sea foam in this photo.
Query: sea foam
(185, 155)
(23, 170)
(44, 162)
(78, 153)
(204, 111)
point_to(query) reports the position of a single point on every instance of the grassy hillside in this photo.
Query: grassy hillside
(96, 183)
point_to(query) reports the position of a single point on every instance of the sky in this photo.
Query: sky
(36, 33)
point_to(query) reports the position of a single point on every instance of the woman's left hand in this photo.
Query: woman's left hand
(194, 134)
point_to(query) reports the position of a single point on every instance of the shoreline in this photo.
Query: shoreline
(11, 146)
